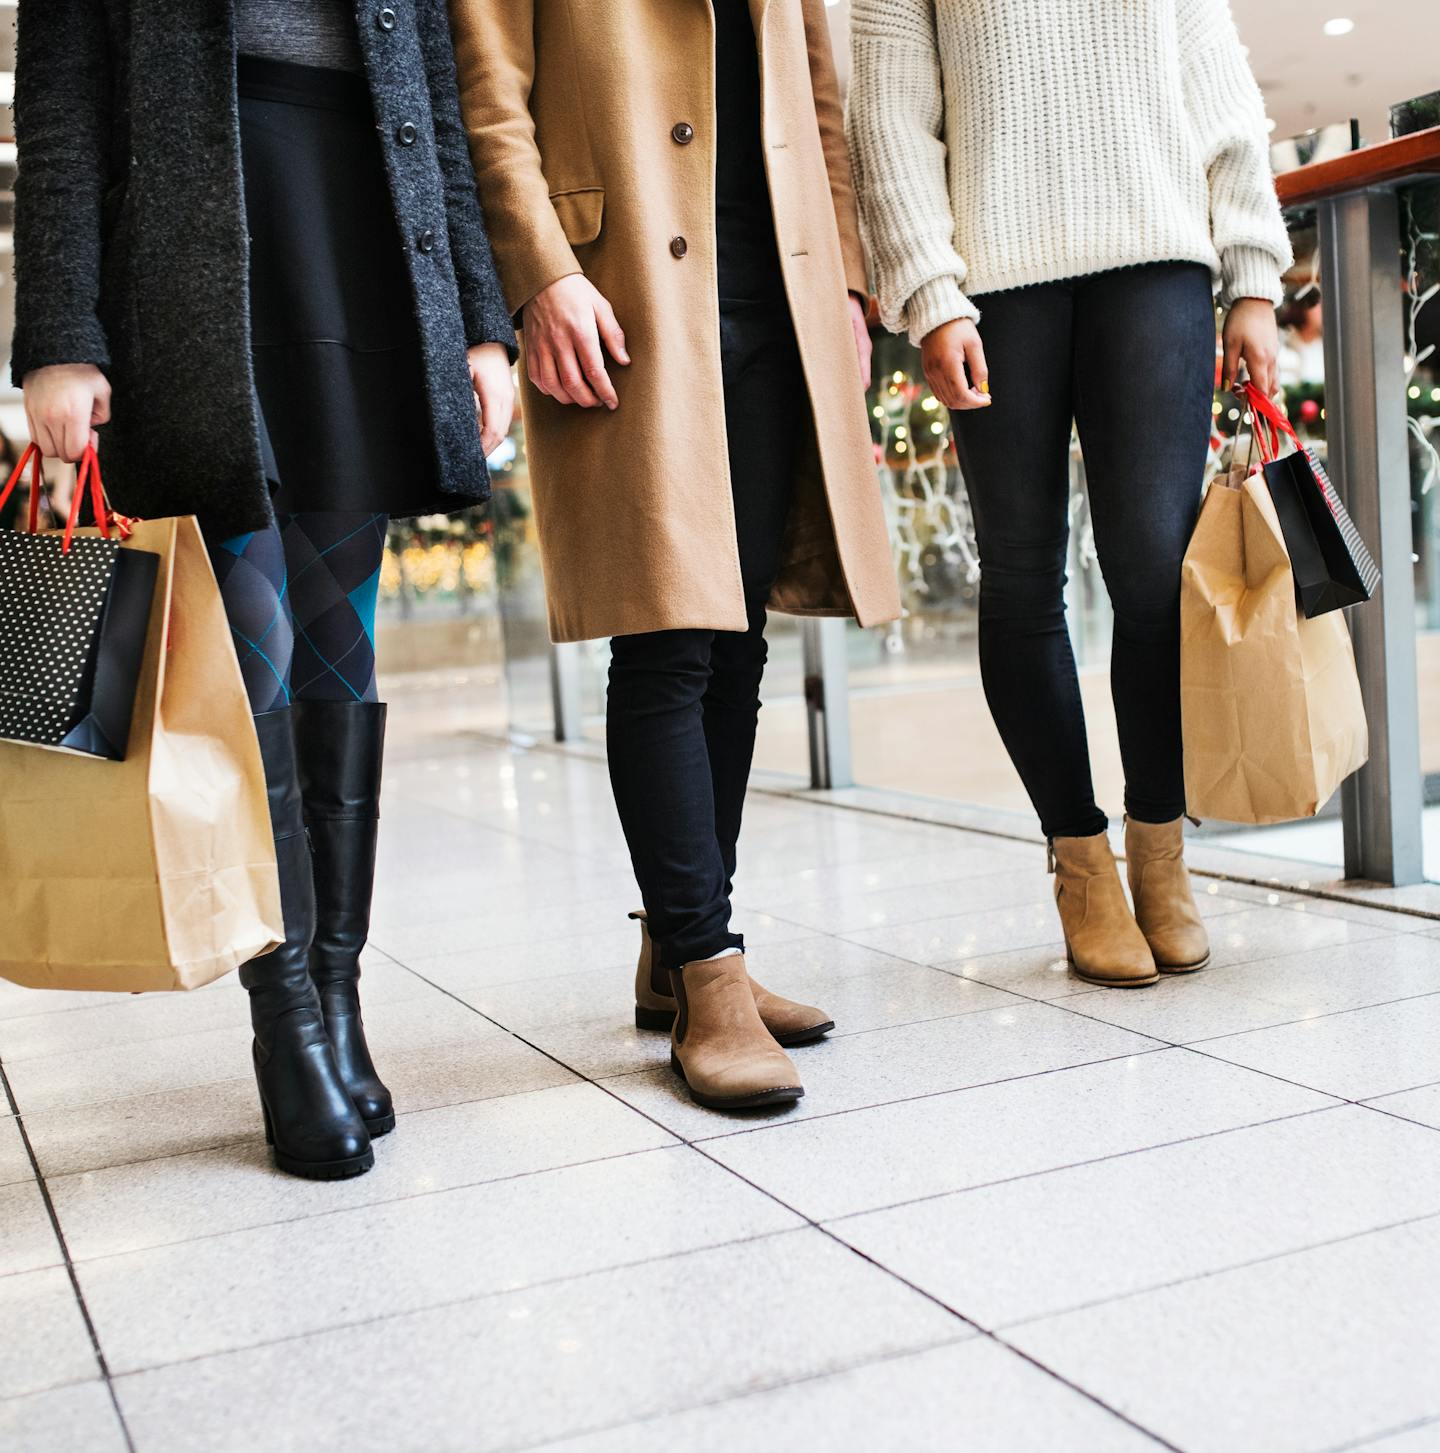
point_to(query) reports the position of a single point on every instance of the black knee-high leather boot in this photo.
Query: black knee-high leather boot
(310, 1119)
(341, 746)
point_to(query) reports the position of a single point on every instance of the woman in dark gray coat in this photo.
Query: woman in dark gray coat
(252, 267)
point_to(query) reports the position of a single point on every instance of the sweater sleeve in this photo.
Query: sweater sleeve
(896, 120)
(62, 127)
(482, 302)
(1228, 114)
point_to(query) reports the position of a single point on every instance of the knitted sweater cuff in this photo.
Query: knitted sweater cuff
(931, 304)
(1250, 272)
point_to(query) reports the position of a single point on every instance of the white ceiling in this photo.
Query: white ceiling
(1311, 79)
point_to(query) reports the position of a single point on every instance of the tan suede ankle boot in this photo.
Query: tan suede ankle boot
(1165, 905)
(1102, 940)
(789, 1022)
(728, 1057)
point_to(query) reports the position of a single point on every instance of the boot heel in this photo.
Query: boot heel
(653, 1018)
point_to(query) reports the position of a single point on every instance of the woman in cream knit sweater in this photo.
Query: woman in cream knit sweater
(1053, 190)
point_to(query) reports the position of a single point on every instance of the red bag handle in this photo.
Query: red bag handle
(1269, 423)
(87, 475)
(32, 457)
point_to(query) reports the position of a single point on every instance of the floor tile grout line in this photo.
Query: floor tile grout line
(1329, 1014)
(1070, 1165)
(414, 964)
(1218, 1271)
(450, 1304)
(1373, 1440)
(938, 1301)
(1257, 1029)
(679, 1143)
(369, 1205)
(100, 1359)
(832, 1037)
(880, 1104)
(1272, 1075)
(742, 1396)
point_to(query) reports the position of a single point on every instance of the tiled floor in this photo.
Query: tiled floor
(1012, 1213)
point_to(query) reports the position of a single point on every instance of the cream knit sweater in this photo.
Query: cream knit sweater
(999, 143)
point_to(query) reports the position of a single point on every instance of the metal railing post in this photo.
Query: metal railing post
(1368, 457)
(827, 701)
(565, 691)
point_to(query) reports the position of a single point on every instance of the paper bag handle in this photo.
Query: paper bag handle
(1264, 413)
(87, 475)
(31, 456)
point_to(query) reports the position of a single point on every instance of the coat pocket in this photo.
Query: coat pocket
(580, 212)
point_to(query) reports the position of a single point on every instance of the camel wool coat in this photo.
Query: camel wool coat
(592, 130)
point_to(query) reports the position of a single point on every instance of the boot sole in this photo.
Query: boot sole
(383, 1126)
(665, 1019)
(1114, 983)
(1184, 968)
(1107, 983)
(315, 1170)
(782, 1095)
(330, 1170)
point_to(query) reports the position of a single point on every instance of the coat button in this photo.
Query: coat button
(683, 133)
(385, 19)
(678, 247)
(406, 134)
(426, 241)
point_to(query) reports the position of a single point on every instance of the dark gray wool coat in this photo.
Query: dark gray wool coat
(131, 248)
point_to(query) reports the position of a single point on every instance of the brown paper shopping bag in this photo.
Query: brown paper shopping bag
(1270, 701)
(158, 871)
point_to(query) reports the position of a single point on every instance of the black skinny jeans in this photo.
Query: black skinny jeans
(683, 705)
(1129, 356)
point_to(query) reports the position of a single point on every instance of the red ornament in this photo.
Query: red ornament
(1309, 411)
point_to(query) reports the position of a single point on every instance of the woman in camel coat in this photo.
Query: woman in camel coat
(591, 128)
(669, 196)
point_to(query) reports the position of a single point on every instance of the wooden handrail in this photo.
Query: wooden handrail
(1384, 164)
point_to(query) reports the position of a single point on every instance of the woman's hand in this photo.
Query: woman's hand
(494, 392)
(1251, 337)
(863, 345)
(64, 404)
(948, 354)
(565, 325)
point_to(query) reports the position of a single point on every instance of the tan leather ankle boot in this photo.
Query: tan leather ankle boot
(1164, 902)
(789, 1022)
(728, 1057)
(1102, 940)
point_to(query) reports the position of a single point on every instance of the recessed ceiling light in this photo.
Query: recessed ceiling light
(1339, 26)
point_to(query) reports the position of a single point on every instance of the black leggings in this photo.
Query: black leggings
(1129, 356)
(300, 598)
(683, 705)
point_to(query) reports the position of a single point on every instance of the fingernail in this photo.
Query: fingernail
(985, 386)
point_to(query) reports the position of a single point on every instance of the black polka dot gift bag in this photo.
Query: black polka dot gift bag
(74, 611)
(135, 844)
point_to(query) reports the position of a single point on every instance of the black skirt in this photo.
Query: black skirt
(344, 419)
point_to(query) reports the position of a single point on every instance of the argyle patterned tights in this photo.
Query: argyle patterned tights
(300, 597)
